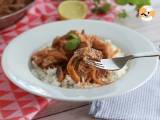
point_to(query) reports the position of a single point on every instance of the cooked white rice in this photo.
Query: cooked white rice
(49, 75)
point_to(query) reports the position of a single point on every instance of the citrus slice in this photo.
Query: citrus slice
(72, 9)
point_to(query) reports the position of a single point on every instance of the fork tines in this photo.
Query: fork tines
(95, 63)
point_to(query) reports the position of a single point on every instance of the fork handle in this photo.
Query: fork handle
(147, 54)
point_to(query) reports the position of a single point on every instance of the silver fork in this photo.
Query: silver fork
(120, 62)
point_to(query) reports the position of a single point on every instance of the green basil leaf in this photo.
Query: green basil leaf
(72, 44)
(72, 35)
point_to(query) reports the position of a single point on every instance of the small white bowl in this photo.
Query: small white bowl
(16, 57)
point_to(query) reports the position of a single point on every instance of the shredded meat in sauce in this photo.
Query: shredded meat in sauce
(74, 62)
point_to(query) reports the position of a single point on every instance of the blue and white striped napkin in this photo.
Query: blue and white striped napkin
(141, 104)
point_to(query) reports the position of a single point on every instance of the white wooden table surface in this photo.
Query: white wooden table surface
(79, 110)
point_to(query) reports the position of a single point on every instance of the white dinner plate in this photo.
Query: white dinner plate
(16, 57)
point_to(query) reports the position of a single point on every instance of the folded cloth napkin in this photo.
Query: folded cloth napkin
(140, 104)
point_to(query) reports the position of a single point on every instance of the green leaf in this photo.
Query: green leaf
(142, 3)
(121, 2)
(122, 14)
(71, 35)
(72, 44)
(103, 9)
(148, 2)
(134, 2)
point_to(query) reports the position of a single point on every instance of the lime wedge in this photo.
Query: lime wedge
(71, 9)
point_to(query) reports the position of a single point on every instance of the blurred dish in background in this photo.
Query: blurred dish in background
(10, 6)
(12, 10)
